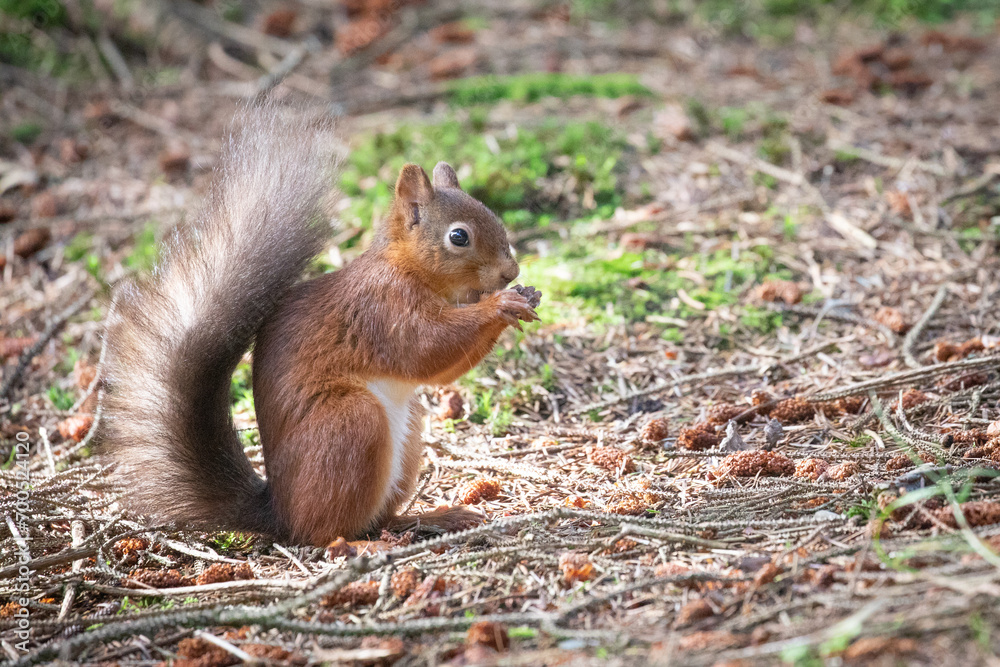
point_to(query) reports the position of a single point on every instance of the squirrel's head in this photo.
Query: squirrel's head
(456, 244)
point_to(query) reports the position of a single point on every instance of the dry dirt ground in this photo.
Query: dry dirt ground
(802, 473)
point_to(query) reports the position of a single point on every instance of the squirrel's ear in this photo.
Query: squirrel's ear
(413, 185)
(413, 189)
(444, 176)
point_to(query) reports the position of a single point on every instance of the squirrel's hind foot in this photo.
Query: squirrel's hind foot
(440, 520)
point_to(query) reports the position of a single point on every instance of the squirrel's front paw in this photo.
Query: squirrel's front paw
(517, 304)
(533, 296)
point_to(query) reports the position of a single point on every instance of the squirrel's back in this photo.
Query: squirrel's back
(174, 339)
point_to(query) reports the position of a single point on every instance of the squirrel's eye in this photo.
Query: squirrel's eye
(459, 237)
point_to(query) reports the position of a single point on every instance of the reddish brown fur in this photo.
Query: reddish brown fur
(335, 358)
(394, 313)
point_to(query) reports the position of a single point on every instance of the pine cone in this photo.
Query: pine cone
(698, 437)
(849, 405)
(14, 347)
(404, 582)
(754, 462)
(692, 612)
(974, 437)
(339, 548)
(711, 640)
(359, 33)
(793, 411)
(157, 579)
(766, 574)
(977, 513)
(759, 397)
(898, 202)
(10, 609)
(128, 546)
(844, 470)
(965, 381)
(780, 290)
(893, 319)
(576, 566)
(911, 399)
(431, 584)
(623, 545)
(631, 504)
(655, 431)
(76, 427)
(898, 462)
(811, 468)
(611, 459)
(722, 413)
(452, 406)
(217, 573)
(353, 594)
(478, 490)
(945, 351)
(204, 653)
(971, 347)
(488, 633)
(84, 373)
(272, 654)
(671, 569)
(989, 451)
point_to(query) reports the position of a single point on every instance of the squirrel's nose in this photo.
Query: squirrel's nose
(511, 273)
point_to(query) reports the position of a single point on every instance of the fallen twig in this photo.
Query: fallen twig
(53, 327)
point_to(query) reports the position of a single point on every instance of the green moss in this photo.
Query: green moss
(535, 86)
(145, 252)
(733, 120)
(241, 389)
(233, 542)
(776, 19)
(42, 13)
(26, 133)
(760, 320)
(507, 171)
(482, 406)
(62, 399)
(605, 285)
(21, 50)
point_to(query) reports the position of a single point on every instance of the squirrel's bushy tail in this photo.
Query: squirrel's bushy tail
(174, 340)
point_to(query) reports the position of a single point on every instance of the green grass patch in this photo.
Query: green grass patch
(534, 86)
(39, 54)
(241, 389)
(233, 542)
(26, 133)
(62, 399)
(42, 13)
(775, 20)
(496, 410)
(145, 251)
(760, 320)
(81, 248)
(607, 286)
(506, 170)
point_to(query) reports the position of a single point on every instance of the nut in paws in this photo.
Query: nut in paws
(514, 306)
(533, 296)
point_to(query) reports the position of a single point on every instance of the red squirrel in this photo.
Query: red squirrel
(336, 359)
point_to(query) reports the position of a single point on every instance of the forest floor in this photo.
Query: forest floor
(757, 424)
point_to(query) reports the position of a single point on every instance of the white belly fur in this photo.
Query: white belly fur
(395, 397)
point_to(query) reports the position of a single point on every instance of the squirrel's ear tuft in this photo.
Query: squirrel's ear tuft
(445, 176)
(413, 186)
